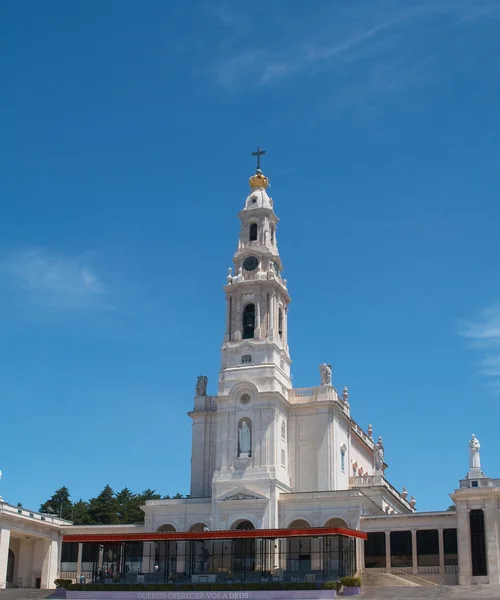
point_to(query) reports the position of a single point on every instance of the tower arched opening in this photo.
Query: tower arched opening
(249, 321)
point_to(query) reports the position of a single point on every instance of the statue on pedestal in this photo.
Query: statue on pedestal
(325, 372)
(474, 446)
(201, 385)
(244, 439)
(378, 455)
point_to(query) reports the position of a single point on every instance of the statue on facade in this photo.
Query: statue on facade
(325, 372)
(474, 446)
(201, 385)
(378, 455)
(244, 438)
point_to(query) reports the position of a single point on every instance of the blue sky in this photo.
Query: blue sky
(127, 130)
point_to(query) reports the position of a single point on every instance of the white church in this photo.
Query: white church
(285, 485)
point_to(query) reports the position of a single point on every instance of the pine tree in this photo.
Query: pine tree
(81, 513)
(59, 504)
(127, 504)
(150, 494)
(103, 509)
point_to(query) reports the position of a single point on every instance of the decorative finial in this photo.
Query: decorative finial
(370, 431)
(230, 275)
(404, 493)
(413, 502)
(345, 395)
(259, 180)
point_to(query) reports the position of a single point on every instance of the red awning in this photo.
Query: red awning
(179, 536)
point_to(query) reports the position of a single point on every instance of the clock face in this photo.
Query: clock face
(250, 263)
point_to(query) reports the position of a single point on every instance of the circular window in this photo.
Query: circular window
(245, 398)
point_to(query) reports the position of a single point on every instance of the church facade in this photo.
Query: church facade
(260, 448)
(285, 485)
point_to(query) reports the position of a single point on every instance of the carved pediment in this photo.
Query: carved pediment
(239, 495)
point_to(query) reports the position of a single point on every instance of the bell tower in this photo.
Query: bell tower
(256, 338)
(251, 444)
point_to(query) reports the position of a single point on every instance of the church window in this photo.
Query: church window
(342, 460)
(283, 458)
(246, 358)
(245, 398)
(272, 234)
(253, 232)
(280, 323)
(249, 321)
(283, 430)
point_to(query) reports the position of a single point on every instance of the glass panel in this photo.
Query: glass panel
(450, 547)
(375, 551)
(401, 554)
(427, 548)
(478, 543)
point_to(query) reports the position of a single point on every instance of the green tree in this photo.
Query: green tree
(59, 504)
(103, 509)
(149, 494)
(126, 506)
(81, 513)
(451, 507)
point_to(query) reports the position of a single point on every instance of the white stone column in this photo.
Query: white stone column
(50, 565)
(464, 549)
(441, 549)
(271, 311)
(491, 530)
(257, 319)
(360, 554)
(79, 562)
(388, 551)
(4, 555)
(414, 551)
(228, 317)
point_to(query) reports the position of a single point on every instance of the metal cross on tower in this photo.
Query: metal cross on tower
(258, 154)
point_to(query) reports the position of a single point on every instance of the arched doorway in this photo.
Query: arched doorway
(163, 562)
(243, 551)
(299, 549)
(201, 552)
(335, 547)
(11, 563)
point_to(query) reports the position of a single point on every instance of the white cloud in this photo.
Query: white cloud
(398, 36)
(484, 332)
(53, 279)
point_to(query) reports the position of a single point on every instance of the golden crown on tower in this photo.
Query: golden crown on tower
(259, 180)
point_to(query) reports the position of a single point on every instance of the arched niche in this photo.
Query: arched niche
(243, 525)
(166, 528)
(299, 524)
(198, 527)
(336, 522)
(244, 438)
